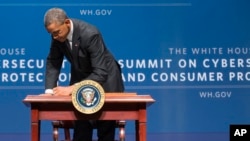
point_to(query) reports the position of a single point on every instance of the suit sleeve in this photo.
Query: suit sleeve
(53, 66)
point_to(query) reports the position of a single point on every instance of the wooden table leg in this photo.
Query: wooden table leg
(140, 128)
(35, 131)
(142, 123)
(35, 124)
(142, 131)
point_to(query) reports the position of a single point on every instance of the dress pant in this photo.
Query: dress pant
(83, 130)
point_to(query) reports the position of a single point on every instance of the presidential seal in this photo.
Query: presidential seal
(88, 97)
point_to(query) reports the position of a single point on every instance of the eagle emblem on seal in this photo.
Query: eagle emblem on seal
(88, 95)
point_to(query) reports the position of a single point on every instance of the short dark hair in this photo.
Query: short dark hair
(55, 15)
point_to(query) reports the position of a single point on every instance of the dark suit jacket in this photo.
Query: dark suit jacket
(89, 58)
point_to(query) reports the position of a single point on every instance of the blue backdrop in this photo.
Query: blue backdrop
(191, 56)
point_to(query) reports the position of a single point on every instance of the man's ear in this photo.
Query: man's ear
(67, 21)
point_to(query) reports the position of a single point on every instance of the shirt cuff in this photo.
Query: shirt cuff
(49, 91)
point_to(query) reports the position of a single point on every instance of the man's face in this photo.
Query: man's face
(59, 31)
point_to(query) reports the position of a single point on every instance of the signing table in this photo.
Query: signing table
(117, 106)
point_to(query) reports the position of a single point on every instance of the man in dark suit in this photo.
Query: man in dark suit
(83, 46)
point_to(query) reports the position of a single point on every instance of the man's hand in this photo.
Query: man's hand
(67, 90)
